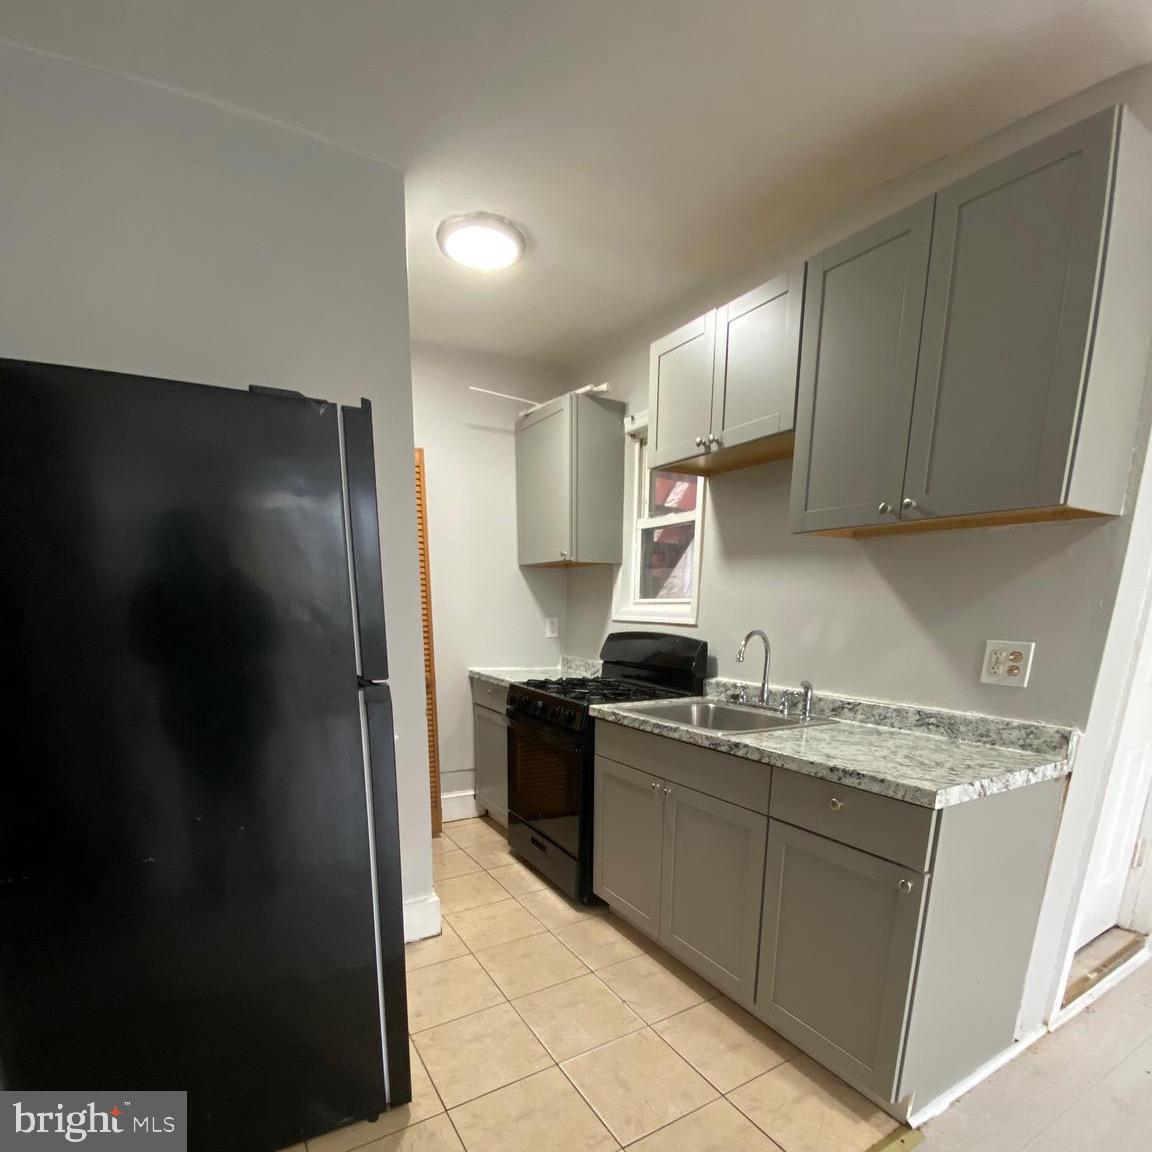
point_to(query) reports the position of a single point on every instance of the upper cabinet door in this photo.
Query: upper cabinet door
(544, 484)
(680, 392)
(864, 300)
(757, 347)
(1016, 256)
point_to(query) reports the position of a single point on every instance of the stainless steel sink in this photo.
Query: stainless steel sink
(718, 716)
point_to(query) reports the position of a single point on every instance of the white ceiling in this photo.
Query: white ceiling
(643, 144)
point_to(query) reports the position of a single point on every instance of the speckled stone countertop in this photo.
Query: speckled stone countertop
(506, 676)
(932, 771)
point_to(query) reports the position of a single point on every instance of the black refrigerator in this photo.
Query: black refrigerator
(199, 854)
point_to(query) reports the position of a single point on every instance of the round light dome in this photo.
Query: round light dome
(481, 240)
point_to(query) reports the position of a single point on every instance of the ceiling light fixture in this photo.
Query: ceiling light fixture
(481, 240)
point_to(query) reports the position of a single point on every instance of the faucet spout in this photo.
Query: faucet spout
(767, 661)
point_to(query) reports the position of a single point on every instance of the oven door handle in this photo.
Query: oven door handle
(545, 731)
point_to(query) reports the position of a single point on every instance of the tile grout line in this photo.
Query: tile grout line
(644, 1026)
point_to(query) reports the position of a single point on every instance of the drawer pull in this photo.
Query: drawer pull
(905, 885)
(538, 844)
(835, 804)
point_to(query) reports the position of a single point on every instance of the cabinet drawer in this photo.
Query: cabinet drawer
(494, 696)
(892, 829)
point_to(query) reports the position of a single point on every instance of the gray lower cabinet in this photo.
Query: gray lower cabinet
(838, 952)
(685, 868)
(490, 756)
(711, 883)
(887, 940)
(629, 834)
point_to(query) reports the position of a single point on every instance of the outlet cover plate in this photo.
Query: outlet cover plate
(1007, 663)
(551, 627)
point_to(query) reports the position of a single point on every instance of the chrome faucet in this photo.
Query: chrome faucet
(763, 701)
(805, 692)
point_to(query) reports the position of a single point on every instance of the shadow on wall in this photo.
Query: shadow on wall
(967, 105)
(908, 616)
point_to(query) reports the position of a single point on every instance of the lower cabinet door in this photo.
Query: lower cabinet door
(629, 831)
(838, 952)
(712, 881)
(490, 747)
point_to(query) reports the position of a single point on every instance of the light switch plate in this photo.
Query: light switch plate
(551, 627)
(1007, 663)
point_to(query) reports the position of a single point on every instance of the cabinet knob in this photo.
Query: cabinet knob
(699, 441)
(905, 885)
(835, 804)
(713, 440)
(655, 785)
(908, 504)
(883, 507)
(563, 555)
(667, 791)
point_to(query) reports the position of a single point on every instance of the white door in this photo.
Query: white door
(1124, 804)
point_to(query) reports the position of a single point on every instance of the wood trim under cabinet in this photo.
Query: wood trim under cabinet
(953, 523)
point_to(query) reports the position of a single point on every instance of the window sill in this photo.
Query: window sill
(656, 614)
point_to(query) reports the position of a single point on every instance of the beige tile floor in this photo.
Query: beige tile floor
(543, 1026)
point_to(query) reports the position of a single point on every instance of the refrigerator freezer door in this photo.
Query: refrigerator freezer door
(183, 828)
(362, 514)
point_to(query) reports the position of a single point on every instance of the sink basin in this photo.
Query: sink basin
(718, 716)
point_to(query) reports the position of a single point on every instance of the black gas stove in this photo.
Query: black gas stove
(566, 701)
(551, 746)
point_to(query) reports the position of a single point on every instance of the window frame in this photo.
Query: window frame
(628, 605)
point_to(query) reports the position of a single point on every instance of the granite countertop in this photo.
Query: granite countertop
(932, 771)
(506, 676)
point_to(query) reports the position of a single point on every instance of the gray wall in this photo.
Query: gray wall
(486, 610)
(144, 231)
(897, 618)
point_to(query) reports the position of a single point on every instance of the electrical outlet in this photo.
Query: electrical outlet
(1007, 663)
(551, 627)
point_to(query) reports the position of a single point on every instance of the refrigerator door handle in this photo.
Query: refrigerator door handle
(360, 469)
(385, 838)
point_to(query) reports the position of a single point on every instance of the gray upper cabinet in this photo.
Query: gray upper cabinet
(680, 392)
(947, 352)
(757, 354)
(841, 931)
(570, 482)
(1016, 250)
(862, 312)
(629, 834)
(712, 880)
(722, 389)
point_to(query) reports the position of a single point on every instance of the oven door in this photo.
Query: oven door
(545, 783)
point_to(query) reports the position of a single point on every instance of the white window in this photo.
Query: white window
(659, 581)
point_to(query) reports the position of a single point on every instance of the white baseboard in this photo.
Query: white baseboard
(421, 917)
(459, 806)
(920, 1116)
